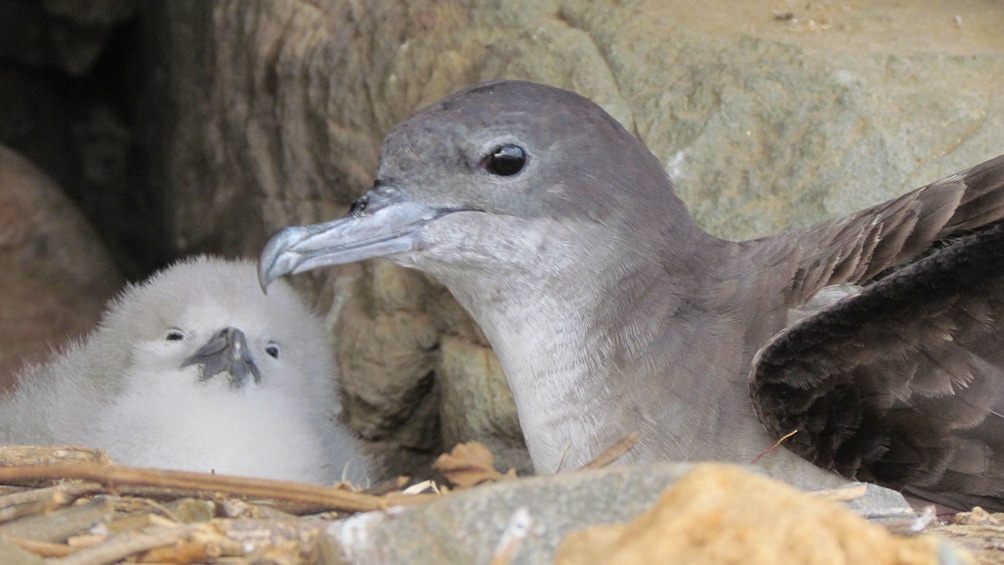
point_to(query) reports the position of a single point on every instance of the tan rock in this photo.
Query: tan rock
(720, 514)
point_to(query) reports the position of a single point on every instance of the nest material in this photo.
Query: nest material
(73, 506)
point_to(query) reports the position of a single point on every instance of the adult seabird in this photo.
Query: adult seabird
(195, 369)
(611, 311)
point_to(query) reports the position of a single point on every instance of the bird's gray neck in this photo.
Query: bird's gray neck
(592, 358)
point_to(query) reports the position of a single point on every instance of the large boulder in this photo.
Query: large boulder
(56, 275)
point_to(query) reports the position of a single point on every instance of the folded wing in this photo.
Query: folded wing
(903, 383)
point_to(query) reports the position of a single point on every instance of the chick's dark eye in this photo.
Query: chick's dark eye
(505, 161)
(273, 350)
(174, 335)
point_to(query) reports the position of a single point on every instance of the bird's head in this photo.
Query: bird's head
(205, 320)
(488, 177)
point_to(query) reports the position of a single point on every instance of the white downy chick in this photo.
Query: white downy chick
(196, 369)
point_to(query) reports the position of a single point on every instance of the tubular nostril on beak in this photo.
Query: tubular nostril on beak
(226, 352)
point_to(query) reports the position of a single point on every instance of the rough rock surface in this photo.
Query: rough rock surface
(768, 114)
(65, 34)
(467, 527)
(68, 92)
(56, 274)
(722, 515)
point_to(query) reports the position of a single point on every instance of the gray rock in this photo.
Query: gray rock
(465, 527)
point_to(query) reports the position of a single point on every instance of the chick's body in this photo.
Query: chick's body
(138, 386)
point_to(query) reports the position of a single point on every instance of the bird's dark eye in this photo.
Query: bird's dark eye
(505, 161)
(272, 349)
(174, 334)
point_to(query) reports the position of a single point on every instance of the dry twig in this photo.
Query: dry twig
(297, 498)
(773, 447)
(123, 545)
(42, 548)
(613, 452)
(59, 525)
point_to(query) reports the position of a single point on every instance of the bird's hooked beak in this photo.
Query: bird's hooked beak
(380, 223)
(226, 352)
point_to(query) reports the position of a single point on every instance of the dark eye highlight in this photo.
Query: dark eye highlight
(272, 349)
(174, 334)
(505, 161)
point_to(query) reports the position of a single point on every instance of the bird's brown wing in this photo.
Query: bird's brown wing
(902, 384)
(862, 246)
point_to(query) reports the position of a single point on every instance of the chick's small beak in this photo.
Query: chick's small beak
(226, 352)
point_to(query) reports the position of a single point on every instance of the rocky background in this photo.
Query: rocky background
(191, 126)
